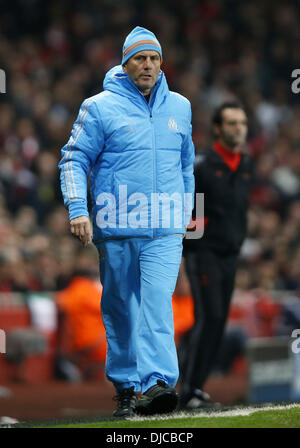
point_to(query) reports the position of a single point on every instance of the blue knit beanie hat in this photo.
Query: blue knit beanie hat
(138, 40)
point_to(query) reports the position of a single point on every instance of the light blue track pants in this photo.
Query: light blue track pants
(139, 277)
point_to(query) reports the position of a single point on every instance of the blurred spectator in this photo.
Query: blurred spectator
(183, 305)
(81, 343)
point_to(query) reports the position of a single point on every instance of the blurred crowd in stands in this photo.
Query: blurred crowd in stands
(56, 53)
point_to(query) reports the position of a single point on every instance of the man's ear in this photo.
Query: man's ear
(216, 130)
(124, 68)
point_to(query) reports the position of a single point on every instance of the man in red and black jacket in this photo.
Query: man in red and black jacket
(223, 174)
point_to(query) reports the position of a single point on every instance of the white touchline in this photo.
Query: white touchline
(239, 412)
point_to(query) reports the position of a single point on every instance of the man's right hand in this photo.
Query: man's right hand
(82, 228)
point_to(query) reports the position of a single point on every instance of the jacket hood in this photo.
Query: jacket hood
(117, 81)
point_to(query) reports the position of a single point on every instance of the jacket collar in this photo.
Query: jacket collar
(231, 159)
(117, 81)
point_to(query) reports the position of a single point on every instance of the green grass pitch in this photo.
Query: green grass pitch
(287, 416)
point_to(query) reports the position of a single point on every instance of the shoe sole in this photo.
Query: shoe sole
(162, 404)
(124, 415)
(204, 407)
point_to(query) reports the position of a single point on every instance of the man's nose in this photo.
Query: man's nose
(239, 126)
(148, 63)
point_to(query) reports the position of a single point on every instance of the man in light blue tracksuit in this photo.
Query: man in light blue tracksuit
(134, 139)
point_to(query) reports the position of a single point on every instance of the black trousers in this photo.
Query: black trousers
(211, 278)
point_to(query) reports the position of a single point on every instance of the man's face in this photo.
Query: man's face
(143, 69)
(233, 130)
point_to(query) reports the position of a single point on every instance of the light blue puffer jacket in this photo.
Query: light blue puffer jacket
(131, 149)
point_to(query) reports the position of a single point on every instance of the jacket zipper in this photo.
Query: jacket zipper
(154, 155)
(154, 173)
(154, 231)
